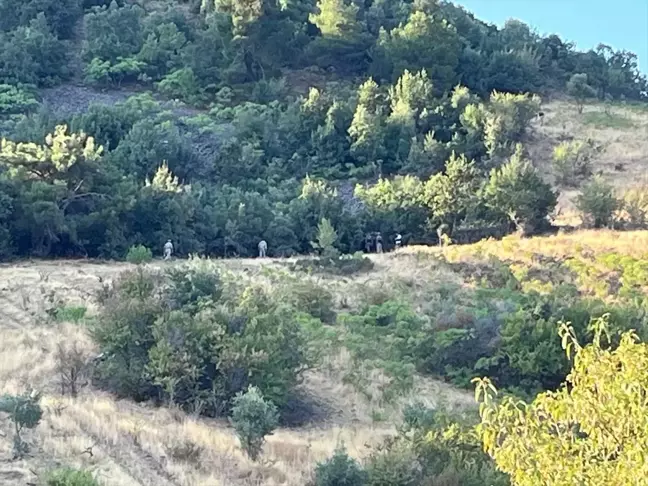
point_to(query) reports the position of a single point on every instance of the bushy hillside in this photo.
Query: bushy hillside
(201, 123)
(322, 128)
(387, 342)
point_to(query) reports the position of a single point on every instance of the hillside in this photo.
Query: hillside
(392, 117)
(509, 164)
(589, 273)
(619, 129)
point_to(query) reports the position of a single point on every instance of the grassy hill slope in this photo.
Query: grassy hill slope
(345, 399)
(620, 130)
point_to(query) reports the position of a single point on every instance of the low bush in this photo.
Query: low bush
(598, 203)
(16, 99)
(70, 313)
(139, 254)
(338, 265)
(339, 470)
(635, 207)
(307, 296)
(572, 161)
(70, 477)
(184, 450)
(394, 464)
(253, 418)
(190, 285)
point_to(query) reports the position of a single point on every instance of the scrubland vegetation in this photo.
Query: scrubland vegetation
(310, 125)
(327, 377)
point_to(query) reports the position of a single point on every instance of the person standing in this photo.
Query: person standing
(379, 243)
(263, 248)
(368, 243)
(398, 241)
(168, 249)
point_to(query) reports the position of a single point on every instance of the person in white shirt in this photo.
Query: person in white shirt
(168, 249)
(263, 248)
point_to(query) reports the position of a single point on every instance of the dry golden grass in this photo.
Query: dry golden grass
(540, 263)
(622, 131)
(137, 444)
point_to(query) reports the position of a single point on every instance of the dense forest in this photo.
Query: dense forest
(243, 120)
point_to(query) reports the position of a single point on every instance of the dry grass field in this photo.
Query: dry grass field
(621, 130)
(138, 444)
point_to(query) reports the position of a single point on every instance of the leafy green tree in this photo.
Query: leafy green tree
(326, 238)
(517, 191)
(335, 18)
(598, 203)
(367, 127)
(64, 157)
(104, 72)
(424, 42)
(515, 72)
(580, 90)
(163, 49)
(147, 144)
(32, 54)
(253, 419)
(107, 125)
(452, 195)
(113, 32)
(182, 84)
(590, 431)
(60, 15)
(25, 412)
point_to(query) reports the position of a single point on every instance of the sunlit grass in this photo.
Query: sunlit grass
(600, 119)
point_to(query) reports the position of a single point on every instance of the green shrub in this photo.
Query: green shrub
(174, 338)
(339, 470)
(394, 329)
(70, 477)
(598, 203)
(339, 265)
(139, 254)
(15, 99)
(307, 296)
(181, 84)
(253, 419)
(190, 285)
(326, 238)
(70, 313)
(572, 161)
(25, 412)
(124, 333)
(395, 465)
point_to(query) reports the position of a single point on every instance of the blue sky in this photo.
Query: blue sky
(622, 24)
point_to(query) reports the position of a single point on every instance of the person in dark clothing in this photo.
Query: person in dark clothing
(368, 243)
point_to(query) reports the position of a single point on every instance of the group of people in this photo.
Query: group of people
(168, 249)
(373, 241)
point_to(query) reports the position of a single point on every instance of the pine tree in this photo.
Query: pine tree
(336, 18)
